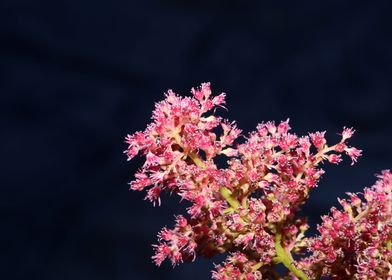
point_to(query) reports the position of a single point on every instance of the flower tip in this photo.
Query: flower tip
(347, 133)
(284, 126)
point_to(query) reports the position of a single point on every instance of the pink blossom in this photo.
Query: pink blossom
(354, 243)
(318, 139)
(353, 153)
(347, 133)
(334, 158)
(284, 127)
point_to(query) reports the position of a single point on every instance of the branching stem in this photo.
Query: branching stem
(287, 259)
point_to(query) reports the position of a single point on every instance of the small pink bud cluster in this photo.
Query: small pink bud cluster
(237, 266)
(181, 238)
(248, 209)
(356, 242)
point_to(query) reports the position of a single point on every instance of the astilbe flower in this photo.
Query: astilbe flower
(356, 242)
(249, 209)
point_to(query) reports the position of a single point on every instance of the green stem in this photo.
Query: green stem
(177, 137)
(226, 193)
(228, 210)
(287, 259)
(197, 160)
(256, 266)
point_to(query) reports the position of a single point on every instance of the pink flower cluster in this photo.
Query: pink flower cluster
(356, 242)
(250, 208)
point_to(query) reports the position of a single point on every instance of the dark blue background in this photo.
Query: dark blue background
(78, 75)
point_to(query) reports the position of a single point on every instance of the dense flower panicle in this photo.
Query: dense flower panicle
(283, 166)
(356, 242)
(181, 129)
(248, 209)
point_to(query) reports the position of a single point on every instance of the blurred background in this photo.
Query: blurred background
(78, 75)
